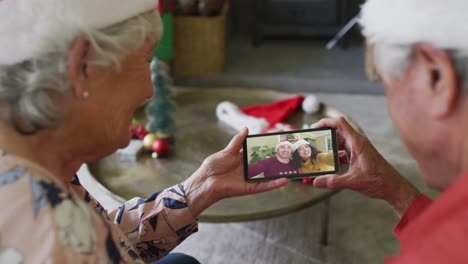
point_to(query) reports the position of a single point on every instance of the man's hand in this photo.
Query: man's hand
(221, 176)
(369, 173)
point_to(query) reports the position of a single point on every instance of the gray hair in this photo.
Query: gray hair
(393, 61)
(28, 89)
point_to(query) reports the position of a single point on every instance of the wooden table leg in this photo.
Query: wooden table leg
(325, 222)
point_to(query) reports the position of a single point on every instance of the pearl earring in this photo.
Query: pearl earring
(85, 94)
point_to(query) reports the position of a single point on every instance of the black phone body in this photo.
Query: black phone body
(312, 152)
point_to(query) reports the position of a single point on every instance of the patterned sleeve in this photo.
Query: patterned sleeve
(154, 225)
(43, 223)
(157, 224)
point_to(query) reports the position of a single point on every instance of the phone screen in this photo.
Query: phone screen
(291, 154)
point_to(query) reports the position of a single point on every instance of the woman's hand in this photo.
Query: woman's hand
(369, 173)
(221, 175)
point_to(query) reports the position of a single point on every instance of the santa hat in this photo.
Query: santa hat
(265, 118)
(441, 23)
(275, 112)
(283, 142)
(32, 27)
(298, 144)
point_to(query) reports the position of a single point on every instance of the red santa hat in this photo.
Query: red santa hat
(275, 112)
(32, 27)
(284, 142)
(266, 118)
(298, 143)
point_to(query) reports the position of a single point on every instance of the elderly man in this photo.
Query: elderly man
(420, 52)
(279, 165)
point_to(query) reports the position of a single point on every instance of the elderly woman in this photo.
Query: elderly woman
(71, 75)
(309, 160)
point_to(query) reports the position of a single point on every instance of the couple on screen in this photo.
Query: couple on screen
(293, 158)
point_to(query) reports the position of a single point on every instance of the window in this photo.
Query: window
(329, 144)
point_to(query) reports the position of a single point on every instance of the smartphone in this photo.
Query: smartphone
(292, 154)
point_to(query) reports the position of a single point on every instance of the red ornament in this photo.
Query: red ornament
(138, 131)
(161, 147)
(307, 180)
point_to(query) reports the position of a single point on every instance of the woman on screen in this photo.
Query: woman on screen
(309, 160)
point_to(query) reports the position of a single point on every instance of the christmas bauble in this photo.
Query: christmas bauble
(148, 141)
(161, 147)
(166, 136)
(138, 131)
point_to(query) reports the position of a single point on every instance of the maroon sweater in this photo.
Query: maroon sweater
(272, 167)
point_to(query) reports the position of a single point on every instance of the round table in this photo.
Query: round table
(199, 134)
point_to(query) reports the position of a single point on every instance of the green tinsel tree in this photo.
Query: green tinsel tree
(260, 153)
(291, 138)
(160, 109)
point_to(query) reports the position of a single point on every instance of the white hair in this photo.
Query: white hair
(28, 88)
(393, 61)
(395, 26)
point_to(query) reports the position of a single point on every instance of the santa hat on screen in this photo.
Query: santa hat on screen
(271, 117)
(298, 143)
(284, 142)
(29, 28)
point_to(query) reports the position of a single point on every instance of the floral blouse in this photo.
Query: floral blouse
(43, 221)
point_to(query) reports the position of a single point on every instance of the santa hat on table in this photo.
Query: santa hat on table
(277, 112)
(29, 28)
(266, 118)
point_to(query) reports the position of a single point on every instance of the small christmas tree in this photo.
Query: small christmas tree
(160, 109)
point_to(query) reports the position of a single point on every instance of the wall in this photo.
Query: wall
(321, 143)
(241, 15)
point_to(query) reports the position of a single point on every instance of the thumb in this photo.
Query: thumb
(236, 142)
(333, 181)
(270, 185)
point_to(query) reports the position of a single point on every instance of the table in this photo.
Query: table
(200, 134)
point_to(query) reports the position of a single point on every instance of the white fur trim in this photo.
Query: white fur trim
(299, 143)
(311, 104)
(440, 23)
(282, 143)
(31, 27)
(231, 115)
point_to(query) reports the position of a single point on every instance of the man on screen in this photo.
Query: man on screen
(279, 165)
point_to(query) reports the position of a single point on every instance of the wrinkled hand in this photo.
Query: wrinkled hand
(221, 176)
(369, 173)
